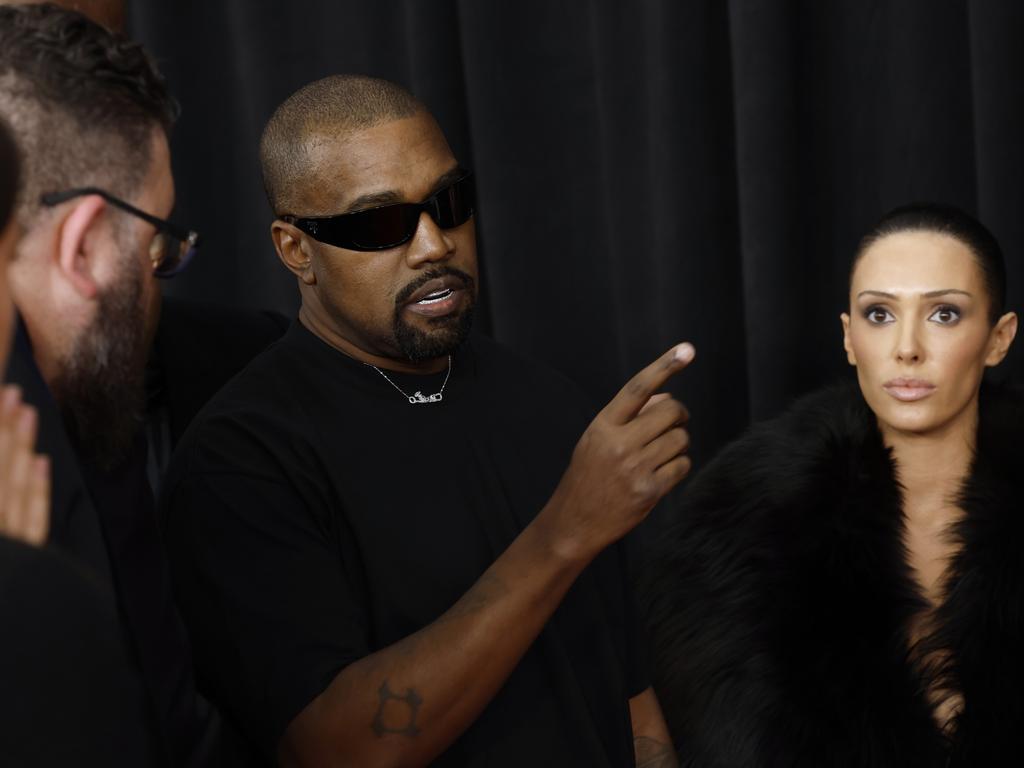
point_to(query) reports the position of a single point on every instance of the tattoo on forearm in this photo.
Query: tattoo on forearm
(651, 753)
(397, 714)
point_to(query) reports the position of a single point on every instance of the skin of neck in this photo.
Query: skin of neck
(314, 316)
(932, 467)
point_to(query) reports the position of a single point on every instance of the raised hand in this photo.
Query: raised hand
(630, 456)
(24, 476)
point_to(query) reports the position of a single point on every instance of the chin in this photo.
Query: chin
(437, 338)
(909, 423)
(920, 419)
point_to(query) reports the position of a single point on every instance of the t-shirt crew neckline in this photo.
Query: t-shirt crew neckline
(370, 380)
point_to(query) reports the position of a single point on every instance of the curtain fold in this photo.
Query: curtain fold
(648, 172)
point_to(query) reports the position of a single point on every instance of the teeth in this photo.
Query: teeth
(436, 296)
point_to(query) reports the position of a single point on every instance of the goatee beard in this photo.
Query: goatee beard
(100, 385)
(446, 334)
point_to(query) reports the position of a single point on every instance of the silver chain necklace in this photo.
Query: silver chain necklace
(419, 397)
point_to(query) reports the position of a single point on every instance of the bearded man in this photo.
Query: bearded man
(390, 542)
(91, 115)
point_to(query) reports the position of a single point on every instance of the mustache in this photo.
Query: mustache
(433, 274)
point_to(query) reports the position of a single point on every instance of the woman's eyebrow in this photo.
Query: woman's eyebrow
(928, 295)
(882, 294)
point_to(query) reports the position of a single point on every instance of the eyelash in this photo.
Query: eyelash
(944, 308)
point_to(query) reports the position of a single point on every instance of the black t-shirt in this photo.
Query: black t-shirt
(315, 516)
(69, 695)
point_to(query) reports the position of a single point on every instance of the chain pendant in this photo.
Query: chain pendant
(419, 397)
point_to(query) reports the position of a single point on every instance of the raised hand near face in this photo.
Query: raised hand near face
(631, 455)
(24, 475)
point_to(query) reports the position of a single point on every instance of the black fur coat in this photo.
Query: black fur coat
(779, 601)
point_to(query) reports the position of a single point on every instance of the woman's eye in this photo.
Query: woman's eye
(945, 315)
(878, 315)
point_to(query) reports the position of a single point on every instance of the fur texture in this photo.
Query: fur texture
(779, 601)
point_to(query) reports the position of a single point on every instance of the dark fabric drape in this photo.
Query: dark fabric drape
(647, 171)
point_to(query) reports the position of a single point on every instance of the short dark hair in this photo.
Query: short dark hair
(325, 108)
(947, 220)
(83, 102)
(10, 169)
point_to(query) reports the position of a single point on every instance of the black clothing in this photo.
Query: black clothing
(106, 522)
(143, 588)
(69, 696)
(780, 601)
(315, 516)
(74, 525)
(198, 347)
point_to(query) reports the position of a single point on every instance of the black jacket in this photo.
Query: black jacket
(779, 600)
(70, 695)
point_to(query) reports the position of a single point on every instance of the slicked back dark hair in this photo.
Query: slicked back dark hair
(83, 102)
(324, 109)
(947, 220)
(9, 172)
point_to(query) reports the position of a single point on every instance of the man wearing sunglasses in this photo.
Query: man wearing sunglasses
(92, 114)
(390, 543)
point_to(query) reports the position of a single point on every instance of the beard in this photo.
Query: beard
(100, 384)
(445, 334)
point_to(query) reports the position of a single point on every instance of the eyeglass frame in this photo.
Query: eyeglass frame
(181, 234)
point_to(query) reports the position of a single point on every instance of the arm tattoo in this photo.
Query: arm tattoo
(651, 753)
(397, 714)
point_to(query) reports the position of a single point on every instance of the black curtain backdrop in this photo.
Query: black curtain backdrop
(647, 172)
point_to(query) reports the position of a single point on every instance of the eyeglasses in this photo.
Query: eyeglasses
(171, 248)
(388, 226)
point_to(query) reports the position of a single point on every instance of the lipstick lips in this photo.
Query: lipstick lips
(908, 390)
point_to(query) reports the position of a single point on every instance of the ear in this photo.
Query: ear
(1000, 339)
(288, 242)
(75, 257)
(847, 345)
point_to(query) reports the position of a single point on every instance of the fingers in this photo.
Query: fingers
(669, 475)
(654, 400)
(20, 472)
(665, 448)
(24, 476)
(36, 522)
(638, 390)
(10, 403)
(656, 419)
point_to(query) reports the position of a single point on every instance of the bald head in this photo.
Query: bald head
(323, 111)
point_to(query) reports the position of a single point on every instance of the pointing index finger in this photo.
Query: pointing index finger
(632, 397)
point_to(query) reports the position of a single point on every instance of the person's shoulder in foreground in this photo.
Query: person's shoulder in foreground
(71, 697)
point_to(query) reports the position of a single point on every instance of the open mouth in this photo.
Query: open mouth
(435, 297)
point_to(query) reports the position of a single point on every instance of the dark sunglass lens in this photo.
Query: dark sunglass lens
(380, 228)
(453, 206)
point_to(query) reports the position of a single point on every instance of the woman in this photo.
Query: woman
(842, 586)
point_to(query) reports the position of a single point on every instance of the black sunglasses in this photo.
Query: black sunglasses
(171, 248)
(388, 226)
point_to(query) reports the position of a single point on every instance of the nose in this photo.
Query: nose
(429, 244)
(909, 349)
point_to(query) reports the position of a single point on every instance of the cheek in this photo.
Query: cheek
(869, 345)
(961, 359)
(365, 291)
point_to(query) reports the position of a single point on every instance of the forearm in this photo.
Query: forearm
(652, 744)
(405, 704)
